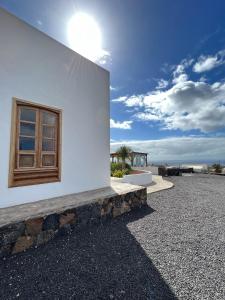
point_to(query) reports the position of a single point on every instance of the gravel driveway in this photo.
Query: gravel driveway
(173, 249)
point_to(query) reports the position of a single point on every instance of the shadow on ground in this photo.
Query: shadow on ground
(98, 262)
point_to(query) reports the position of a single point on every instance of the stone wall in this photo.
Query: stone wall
(20, 236)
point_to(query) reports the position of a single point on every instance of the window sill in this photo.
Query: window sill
(33, 177)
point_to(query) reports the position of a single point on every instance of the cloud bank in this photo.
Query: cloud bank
(186, 104)
(179, 149)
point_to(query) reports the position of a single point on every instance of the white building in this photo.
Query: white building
(54, 117)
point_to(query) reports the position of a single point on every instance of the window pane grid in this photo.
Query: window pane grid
(27, 160)
(33, 126)
(49, 138)
(27, 114)
(49, 132)
(27, 129)
(48, 145)
(26, 157)
(48, 118)
(48, 159)
(37, 139)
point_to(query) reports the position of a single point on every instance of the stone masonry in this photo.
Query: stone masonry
(33, 232)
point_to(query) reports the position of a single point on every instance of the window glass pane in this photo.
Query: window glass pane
(26, 160)
(27, 129)
(27, 143)
(48, 132)
(48, 160)
(48, 145)
(27, 114)
(48, 118)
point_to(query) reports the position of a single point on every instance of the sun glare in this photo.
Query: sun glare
(85, 36)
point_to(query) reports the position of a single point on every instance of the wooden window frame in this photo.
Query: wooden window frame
(33, 175)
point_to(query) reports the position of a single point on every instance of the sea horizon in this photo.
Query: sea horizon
(208, 162)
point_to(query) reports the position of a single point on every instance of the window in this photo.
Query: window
(35, 145)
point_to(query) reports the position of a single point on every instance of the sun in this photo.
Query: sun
(85, 37)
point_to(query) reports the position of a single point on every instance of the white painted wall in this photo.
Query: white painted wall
(37, 68)
(138, 179)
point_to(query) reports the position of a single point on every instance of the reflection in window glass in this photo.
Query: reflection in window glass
(27, 114)
(48, 145)
(48, 118)
(48, 160)
(26, 160)
(27, 129)
(26, 143)
(48, 132)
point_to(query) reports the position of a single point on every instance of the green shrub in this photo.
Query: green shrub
(119, 166)
(114, 167)
(126, 171)
(118, 173)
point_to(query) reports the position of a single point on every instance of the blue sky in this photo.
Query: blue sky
(167, 65)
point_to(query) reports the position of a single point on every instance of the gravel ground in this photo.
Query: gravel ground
(173, 249)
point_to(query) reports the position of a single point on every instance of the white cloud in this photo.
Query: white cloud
(186, 105)
(120, 125)
(112, 88)
(104, 57)
(120, 99)
(179, 73)
(134, 101)
(179, 148)
(207, 63)
(203, 79)
(162, 84)
(180, 78)
(182, 66)
(147, 116)
(130, 101)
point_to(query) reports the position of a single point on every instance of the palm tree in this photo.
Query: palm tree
(124, 152)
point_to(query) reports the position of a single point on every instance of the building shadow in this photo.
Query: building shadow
(95, 262)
